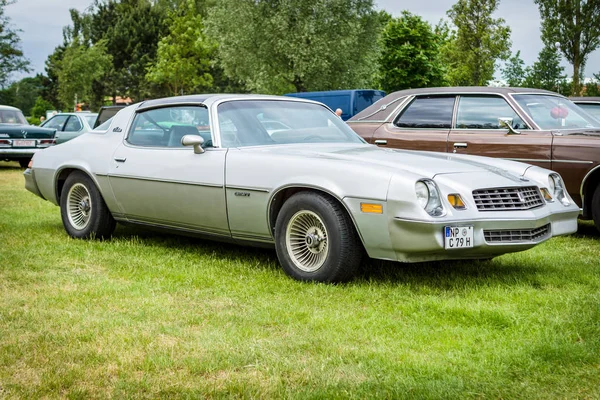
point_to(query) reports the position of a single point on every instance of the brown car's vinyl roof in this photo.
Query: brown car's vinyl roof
(370, 113)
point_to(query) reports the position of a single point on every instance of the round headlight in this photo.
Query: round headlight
(428, 196)
(422, 193)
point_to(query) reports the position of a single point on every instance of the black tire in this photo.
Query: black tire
(24, 162)
(596, 207)
(88, 216)
(323, 233)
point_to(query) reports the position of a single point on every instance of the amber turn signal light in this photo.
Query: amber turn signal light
(546, 194)
(456, 201)
(371, 208)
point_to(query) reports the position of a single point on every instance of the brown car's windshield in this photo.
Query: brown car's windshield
(554, 112)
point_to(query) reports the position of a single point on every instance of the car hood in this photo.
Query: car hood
(427, 164)
(20, 131)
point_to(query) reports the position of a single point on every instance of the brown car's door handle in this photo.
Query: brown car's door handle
(459, 146)
(120, 159)
(381, 142)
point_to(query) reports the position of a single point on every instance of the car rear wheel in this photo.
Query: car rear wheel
(24, 162)
(83, 211)
(316, 240)
(596, 207)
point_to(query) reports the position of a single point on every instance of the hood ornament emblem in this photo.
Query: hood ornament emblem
(24, 132)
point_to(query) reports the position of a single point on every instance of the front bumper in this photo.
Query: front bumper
(423, 240)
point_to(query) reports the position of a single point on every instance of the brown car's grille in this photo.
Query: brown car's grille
(509, 199)
(517, 235)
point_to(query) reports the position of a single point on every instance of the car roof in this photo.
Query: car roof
(210, 98)
(7, 108)
(371, 112)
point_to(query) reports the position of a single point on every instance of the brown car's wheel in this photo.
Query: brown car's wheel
(83, 211)
(596, 207)
(316, 240)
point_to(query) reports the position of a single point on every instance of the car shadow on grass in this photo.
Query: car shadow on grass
(450, 275)
(10, 165)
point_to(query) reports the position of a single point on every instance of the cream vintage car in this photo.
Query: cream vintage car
(207, 165)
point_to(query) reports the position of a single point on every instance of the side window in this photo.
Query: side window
(73, 124)
(57, 122)
(165, 127)
(482, 112)
(592, 109)
(427, 112)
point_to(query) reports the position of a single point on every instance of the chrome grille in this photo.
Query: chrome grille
(517, 235)
(511, 198)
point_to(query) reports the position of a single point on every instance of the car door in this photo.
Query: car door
(477, 131)
(158, 181)
(423, 124)
(71, 129)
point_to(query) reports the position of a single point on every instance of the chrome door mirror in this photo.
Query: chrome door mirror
(507, 123)
(193, 140)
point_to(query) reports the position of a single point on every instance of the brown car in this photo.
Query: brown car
(528, 125)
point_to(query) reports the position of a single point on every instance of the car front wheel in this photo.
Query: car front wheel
(316, 240)
(83, 211)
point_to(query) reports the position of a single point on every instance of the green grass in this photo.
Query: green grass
(149, 315)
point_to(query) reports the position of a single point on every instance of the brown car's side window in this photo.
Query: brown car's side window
(427, 112)
(482, 112)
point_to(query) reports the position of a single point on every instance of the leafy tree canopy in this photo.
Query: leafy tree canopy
(514, 70)
(11, 55)
(574, 25)
(79, 67)
(480, 41)
(279, 46)
(409, 55)
(184, 55)
(546, 73)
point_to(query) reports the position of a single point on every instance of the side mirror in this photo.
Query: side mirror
(507, 123)
(193, 140)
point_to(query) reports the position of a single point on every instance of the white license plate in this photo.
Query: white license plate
(23, 143)
(458, 237)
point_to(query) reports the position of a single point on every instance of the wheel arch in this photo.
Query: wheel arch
(281, 195)
(589, 184)
(63, 173)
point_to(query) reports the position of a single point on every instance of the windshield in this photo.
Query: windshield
(90, 118)
(269, 122)
(555, 112)
(12, 117)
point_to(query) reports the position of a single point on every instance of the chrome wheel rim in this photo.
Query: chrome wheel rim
(79, 206)
(306, 240)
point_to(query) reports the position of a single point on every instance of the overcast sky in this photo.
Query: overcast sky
(42, 21)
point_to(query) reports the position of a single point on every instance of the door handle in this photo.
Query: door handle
(120, 159)
(459, 146)
(381, 141)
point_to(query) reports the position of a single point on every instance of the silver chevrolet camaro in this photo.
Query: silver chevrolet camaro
(289, 173)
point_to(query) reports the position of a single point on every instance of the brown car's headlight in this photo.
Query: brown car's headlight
(557, 188)
(428, 196)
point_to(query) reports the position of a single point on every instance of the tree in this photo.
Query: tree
(546, 73)
(409, 55)
(514, 71)
(11, 55)
(573, 24)
(480, 41)
(40, 107)
(184, 56)
(279, 46)
(80, 66)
